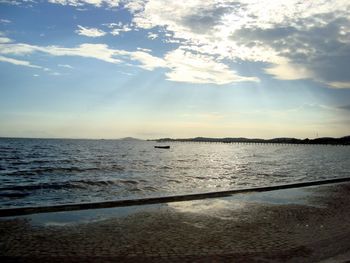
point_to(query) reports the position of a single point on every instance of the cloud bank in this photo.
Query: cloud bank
(90, 32)
(295, 39)
(289, 40)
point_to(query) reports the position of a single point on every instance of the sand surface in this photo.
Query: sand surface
(310, 224)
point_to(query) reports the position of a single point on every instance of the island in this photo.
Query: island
(324, 140)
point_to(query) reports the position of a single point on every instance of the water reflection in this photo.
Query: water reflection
(45, 172)
(220, 208)
(223, 208)
(232, 207)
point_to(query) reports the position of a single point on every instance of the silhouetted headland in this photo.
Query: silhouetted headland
(130, 139)
(324, 140)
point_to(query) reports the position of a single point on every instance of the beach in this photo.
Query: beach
(310, 224)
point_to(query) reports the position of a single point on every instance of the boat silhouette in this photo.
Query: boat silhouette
(162, 147)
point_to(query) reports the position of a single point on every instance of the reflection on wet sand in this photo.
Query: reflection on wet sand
(243, 228)
(219, 208)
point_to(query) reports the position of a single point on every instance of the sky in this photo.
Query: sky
(158, 68)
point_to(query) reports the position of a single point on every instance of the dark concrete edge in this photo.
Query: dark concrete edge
(157, 200)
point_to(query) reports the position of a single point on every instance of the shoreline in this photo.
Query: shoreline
(6, 212)
(341, 141)
(308, 226)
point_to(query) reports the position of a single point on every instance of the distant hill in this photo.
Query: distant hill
(325, 140)
(129, 139)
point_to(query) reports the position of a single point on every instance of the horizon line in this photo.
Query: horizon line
(172, 138)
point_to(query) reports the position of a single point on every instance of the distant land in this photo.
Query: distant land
(283, 140)
(324, 140)
(130, 139)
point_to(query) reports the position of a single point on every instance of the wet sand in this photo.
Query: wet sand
(310, 224)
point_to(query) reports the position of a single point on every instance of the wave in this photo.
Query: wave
(7, 158)
(44, 170)
(128, 181)
(174, 181)
(13, 194)
(40, 186)
(165, 167)
(79, 184)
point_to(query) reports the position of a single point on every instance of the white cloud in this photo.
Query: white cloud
(98, 3)
(90, 32)
(17, 49)
(5, 40)
(147, 61)
(196, 68)
(144, 49)
(126, 73)
(18, 2)
(301, 39)
(118, 28)
(183, 66)
(134, 5)
(17, 62)
(10, 2)
(55, 73)
(113, 25)
(285, 70)
(152, 36)
(5, 21)
(65, 66)
(339, 84)
(293, 39)
(96, 51)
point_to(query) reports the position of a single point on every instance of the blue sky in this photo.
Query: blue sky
(149, 69)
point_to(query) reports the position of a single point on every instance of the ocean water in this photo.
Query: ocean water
(36, 172)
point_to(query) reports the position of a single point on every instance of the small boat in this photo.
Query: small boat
(162, 147)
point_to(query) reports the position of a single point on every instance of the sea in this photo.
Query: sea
(41, 172)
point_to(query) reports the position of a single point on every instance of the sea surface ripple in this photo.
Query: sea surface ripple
(36, 172)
